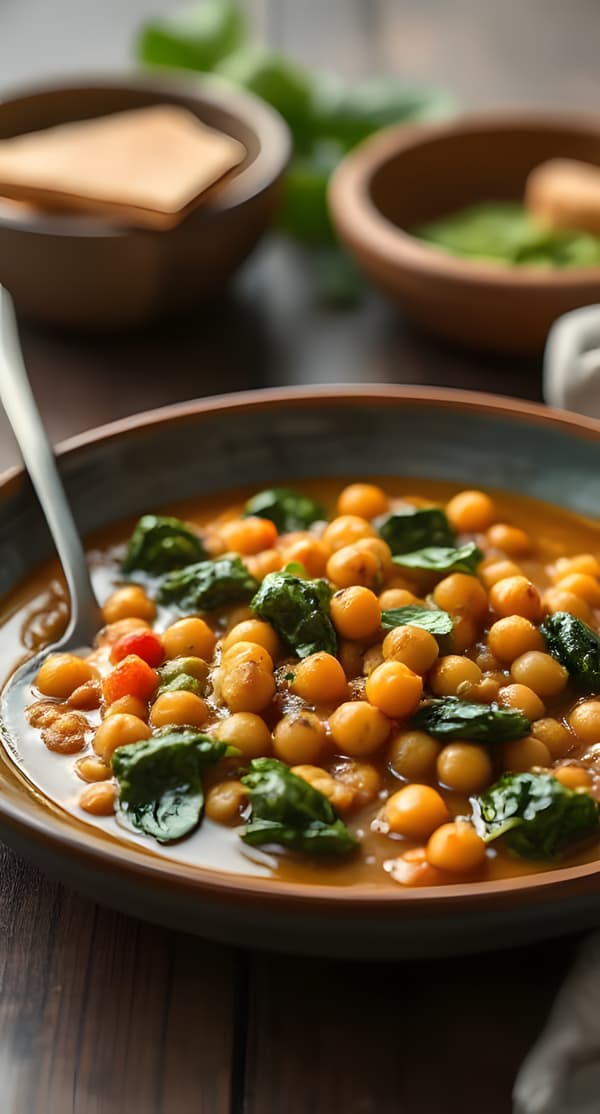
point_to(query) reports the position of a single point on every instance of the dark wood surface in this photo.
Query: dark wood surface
(101, 1014)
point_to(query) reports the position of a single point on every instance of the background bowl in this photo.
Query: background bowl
(88, 273)
(406, 176)
(274, 436)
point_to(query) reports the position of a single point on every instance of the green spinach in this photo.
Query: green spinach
(443, 559)
(194, 37)
(288, 509)
(431, 619)
(415, 527)
(450, 718)
(160, 543)
(288, 811)
(298, 609)
(576, 646)
(538, 816)
(208, 585)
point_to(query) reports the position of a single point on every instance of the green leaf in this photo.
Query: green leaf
(288, 509)
(538, 815)
(434, 620)
(304, 212)
(160, 781)
(277, 80)
(289, 811)
(450, 718)
(208, 585)
(160, 543)
(195, 37)
(414, 528)
(576, 646)
(435, 558)
(350, 113)
(183, 682)
(298, 609)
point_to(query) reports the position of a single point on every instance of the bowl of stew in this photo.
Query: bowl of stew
(342, 699)
(408, 198)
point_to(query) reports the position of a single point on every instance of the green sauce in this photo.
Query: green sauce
(504, 232)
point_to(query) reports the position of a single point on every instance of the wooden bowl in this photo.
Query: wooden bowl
(406, 176)
(87, 273)
(275, 436)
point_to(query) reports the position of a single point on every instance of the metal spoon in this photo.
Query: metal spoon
(18, 401)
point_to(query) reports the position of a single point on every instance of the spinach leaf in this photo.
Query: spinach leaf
(289, 811)
(539, 816)
(444, 559)
(208, 584)
(450, 718)
(194, 37)
(414, 528)
(160, 781)
(298, 610)
(195, 668)
(181, 682)
(288, 509)
(434, 620)
(160, 543)
(576, 646)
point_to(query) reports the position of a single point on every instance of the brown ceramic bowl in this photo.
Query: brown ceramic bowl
(275, 436)
(406, 176)
(87, 273)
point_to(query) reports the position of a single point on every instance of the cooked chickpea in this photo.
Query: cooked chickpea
(268, 560)
(351, 657)
(413, 646)
(465, 767)
(582, 585)
(511, 539)
(365, 500)
(61, 674)
(471, 511)
(557, 599)
(341, 796)
(112, 632)
(372, 658)
(358, 728)
(456, 847)
(573, 777)
(129, 706)
(413, 754)
(494, 570)
(320, 679)
(361, 777)
(99, 799)
(522, 697)
(516, 595)
(415, 811)
(256, 632)
(310, 552)
(521, 755)
(118, 731)
(351, 565)
(179, 708)
(541, 672)
(299, 738)
(225, 800)
(453, 675)
(381, 550)
(189, 637)
(512, 636)
(90, 768)
(397, 597)
(237, 615)
(585, 563)
(248, 732)
(345, 530)
(355, 612)
(129, 603)
(247, 651)
(65, 733)
(554, 735)
(584, 720)
(249, 535)
(461, 594)
(247, 686)
(464, 633)
(412, 869)
(394, 689)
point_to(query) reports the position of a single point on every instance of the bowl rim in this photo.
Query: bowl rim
(361, 223)
(73, 840)
(275, 143)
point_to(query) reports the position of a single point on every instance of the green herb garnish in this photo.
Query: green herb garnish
(450, 718)
(414, 528)
(576, 646)
(287, 810)
(444, 559)
(431, 619)
(298, 609)
(288, 509)
(160, 543)
(538, 816)
(208, 585)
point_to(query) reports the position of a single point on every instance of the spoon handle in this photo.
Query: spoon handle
(22, 412)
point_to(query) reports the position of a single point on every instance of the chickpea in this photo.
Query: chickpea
(511, 539)
(99, 799)
(394, 689)
(413, 646)
(191, 637)
(61, 674)
(365, 500)
(91, 768)
(415, 811)
(320, 679)
(310, 552)
(381, 550)
(557, 599)
(471, 512)
(341, 796)
(351, 565)
(372, 658)
(256, 632)
(586, 563)
(464, 633)
(351, 658)
(465, 767)
(261, 564)
(582, 585)
(486, 691)
(237, 615)
(224, 801)
(247, 686)
(182, 708)
(299, 738)
(541, 672)
(412, 869)
(522, 697)
(512, 636)
(248, 732)
(358, 728)
(355, 612)
(573, 777)
(456, 847)
(584, 720)
(521, 755)
(461, 594)
(86, 697)
(66, 733)
(361, 777)
(554, 735)
(118, 731)
(345, 530)
(129, 706)
(249, 535)
(516, 595)
(129, 603)
(112, 632)
(413, 755)
(397, 597)
(247, 651)
(453, 675)
(493, 571)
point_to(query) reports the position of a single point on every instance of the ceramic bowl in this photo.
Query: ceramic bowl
(268, 437)
(87, 273)
(404, 177)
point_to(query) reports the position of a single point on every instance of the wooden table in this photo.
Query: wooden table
(101, 1014)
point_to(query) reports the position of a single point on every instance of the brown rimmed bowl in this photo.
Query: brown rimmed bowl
(406, 176)
(86, 273)
(205, 447)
